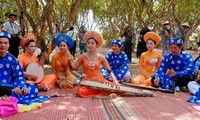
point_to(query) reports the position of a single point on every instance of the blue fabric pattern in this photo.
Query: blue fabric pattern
(175, 41)
(118, 42)
(197, 65)
(118, 64)
(5, 35)
(182, 64)
(12, 76)
(67, 39)
(196, 97)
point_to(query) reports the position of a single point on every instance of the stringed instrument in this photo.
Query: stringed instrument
(36, 70)
(128, 91)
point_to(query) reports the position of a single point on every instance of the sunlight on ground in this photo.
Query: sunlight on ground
(186, 116)
(62, 107)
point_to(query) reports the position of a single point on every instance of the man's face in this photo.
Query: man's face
(175, 49)
(4, 45)
(58, 27)
(12, 18)
(127, 28)
(145, 25)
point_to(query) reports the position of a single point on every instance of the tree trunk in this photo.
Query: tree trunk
(73, 12)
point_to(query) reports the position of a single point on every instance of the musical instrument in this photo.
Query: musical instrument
(36, 70)
(147, 87)
(128, 91)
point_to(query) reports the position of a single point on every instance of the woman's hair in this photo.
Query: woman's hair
(93, 39)
(64, 42)
(179, 45)
(153, 41)
(27, 43)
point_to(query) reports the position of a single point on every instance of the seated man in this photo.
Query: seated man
(12, 77)
(194, 86)
(176, 68)
(118, 62)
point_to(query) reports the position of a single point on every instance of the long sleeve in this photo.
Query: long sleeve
(159, 61)
(123, 68)
(163, 68)
(188, 68)
(17, 75)
(182, 65)
(197, 65)
(118, 64)
(141, 64)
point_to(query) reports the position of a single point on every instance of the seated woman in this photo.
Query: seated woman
(28, 43)
(12, 78)
(91, 62)
(63, 62)
(118, 62)
(149, 61)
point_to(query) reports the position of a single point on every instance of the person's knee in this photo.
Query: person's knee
(193, 87)
(127, 77)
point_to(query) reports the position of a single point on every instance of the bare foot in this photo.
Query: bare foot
(5, 98)
(43, 87)
(112, 96)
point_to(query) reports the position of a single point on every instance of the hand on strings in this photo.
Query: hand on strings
(60, 77)
(25, 91)
(113, 84)
(83, 76)
(116, 83)
(17, 91)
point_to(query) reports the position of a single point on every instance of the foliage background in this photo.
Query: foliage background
(106, 16)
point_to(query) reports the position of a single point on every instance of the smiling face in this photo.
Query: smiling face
(4, 45)
(63, 47)
(116, 48)
(31, 48)
(150, 44)
(92, 44)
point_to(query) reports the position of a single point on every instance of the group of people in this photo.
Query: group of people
(13, 83)
(174, 71)
(76, 36)
(129, 38)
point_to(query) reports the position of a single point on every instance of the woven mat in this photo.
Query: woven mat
(163, 106)
(69, 106)
(117, 109)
